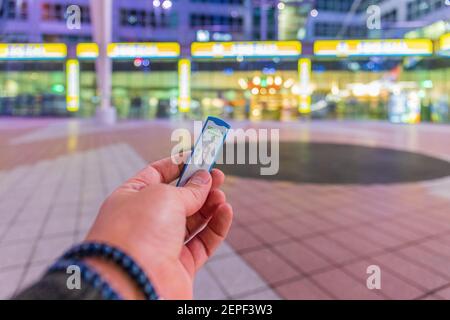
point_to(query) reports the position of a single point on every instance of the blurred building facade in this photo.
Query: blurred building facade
(264, 85)
(329, 19)
(183, 21)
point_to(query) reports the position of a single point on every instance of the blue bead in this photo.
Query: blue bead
(106, 291)
(135, 270)
(148, 289)
(107, 249)
(97, 282)
(126, 262)
(104, 250)
(88, 275)
(117, 255)
(142, 279)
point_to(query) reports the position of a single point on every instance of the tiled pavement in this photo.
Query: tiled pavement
(288, 240)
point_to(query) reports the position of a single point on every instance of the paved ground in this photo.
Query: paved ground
(289, 240)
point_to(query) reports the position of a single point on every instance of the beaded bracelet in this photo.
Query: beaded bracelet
(125, 262)
(89, 275)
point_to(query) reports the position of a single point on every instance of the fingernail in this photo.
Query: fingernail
(201, 177)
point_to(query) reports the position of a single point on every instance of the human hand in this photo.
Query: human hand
(148, 219)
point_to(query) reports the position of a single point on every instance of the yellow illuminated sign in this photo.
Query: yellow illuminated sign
(73, 85)
(304, 73)
(32, 51)
(246, 49)
(87, 51)
(131, 50)
(444, 44)
(381, 47)
(184, 85)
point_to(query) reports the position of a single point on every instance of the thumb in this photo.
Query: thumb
(194, 193)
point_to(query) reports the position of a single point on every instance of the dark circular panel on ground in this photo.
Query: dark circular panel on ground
(325, 163)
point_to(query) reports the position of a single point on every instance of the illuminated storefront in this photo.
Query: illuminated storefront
(395, 79)
(401, 80)
(255, 80)
(32, 79)
(144, 79)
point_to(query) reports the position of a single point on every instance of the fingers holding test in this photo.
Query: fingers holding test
(218, 177)
(162, 171)
(194, 223)
(203, 245)
(194, 194)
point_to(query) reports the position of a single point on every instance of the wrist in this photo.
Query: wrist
(155, 266)
(87, 275)
(115, 266)
(116, 278)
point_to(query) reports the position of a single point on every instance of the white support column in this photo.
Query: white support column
(264, 8)
(304, 74)
(248, 20)
(184, 85)
(101, 16)
(72, 85)
(34, 14)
